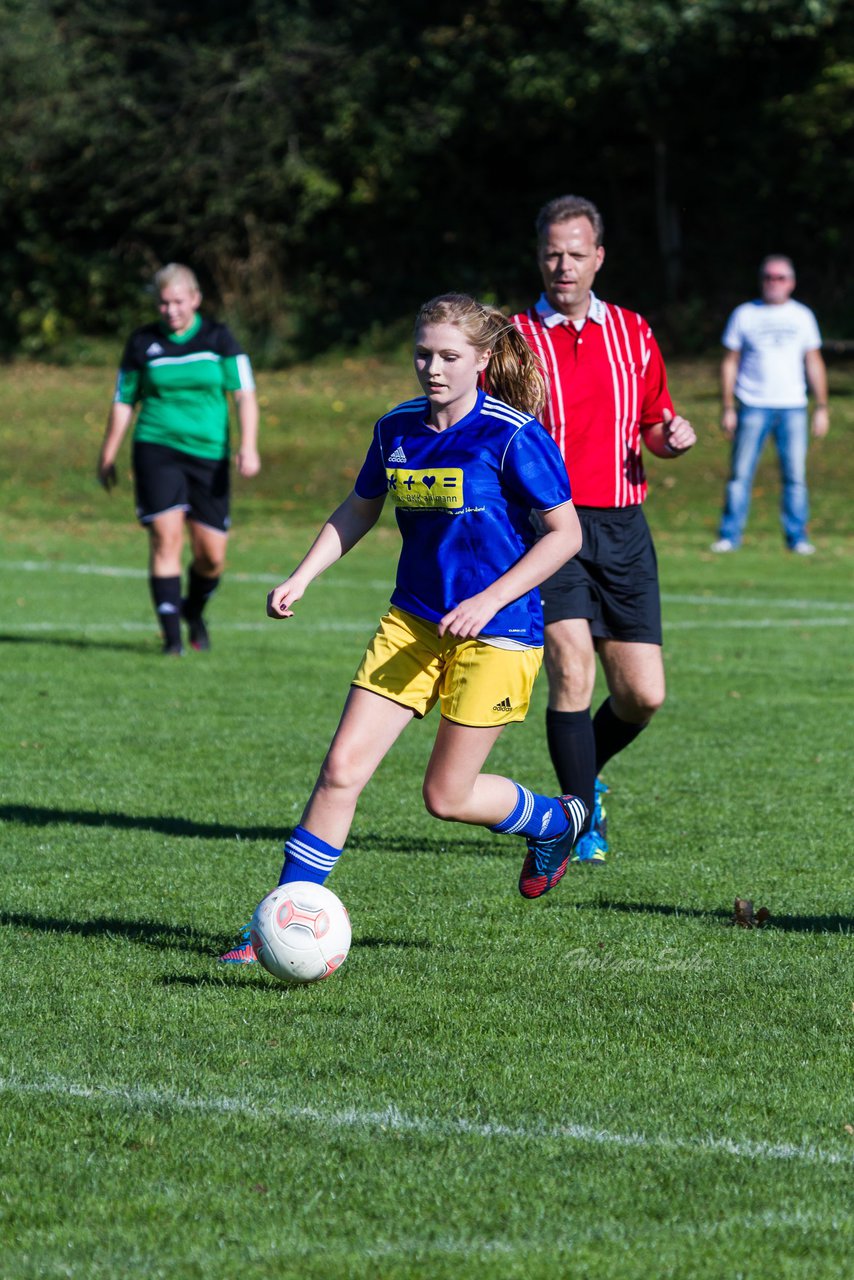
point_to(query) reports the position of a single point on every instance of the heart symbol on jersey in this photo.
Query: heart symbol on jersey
(429, 481)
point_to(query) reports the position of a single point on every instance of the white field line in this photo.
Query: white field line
(626, 1239)
(116, 571)
(843, 608)
(572, 1235)
(758, 602)
(752, 624)
(392, 1120)
(368, 625)
(110, 628)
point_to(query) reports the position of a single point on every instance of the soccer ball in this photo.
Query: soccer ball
(300, 932)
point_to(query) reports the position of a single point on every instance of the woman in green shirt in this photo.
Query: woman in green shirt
(175, 375)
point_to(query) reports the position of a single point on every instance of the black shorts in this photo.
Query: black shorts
(613, 581)
(168, 480)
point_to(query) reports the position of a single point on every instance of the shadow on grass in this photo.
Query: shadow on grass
(224, 974)
(441, 844)
(38, 816)
(422, 944)
(247, 977)
(151, 933)
(785, 924)
(79, 642)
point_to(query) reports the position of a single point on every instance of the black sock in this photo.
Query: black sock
(199, 592)
(611, 733)
(166, 594)
(573, 752)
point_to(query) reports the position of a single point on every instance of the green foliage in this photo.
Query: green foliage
(326, 167)
(666, 26)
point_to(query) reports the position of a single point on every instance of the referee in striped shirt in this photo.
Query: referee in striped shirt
(607, 397)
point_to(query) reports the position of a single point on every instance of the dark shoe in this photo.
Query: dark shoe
(199, 638)
(546, 860)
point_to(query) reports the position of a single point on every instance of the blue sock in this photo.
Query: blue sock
(307, 858)
(533, 816)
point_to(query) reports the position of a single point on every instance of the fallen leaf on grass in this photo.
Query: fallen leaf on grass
(745, 917)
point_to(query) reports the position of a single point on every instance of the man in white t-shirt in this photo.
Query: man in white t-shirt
(773, 352)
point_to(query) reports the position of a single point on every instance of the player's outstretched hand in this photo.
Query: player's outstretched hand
(679, 435)
(280, 599)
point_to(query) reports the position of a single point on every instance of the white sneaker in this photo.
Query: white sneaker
(804, 548)
(723, 544)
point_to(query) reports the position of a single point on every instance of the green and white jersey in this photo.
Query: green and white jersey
(180, 384)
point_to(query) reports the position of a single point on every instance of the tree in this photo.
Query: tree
(326, 166)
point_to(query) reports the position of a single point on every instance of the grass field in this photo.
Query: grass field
(611, 1082)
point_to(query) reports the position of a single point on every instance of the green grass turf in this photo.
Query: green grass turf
(612, 1082)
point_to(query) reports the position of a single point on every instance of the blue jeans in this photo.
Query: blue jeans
(789, 429)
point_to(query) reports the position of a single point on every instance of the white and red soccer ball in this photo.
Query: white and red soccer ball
(301, 932)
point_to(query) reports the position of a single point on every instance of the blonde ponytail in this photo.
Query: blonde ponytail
(513, 374)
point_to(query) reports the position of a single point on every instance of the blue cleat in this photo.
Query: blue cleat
(243, 953)
(546, 860)
(592, 846)
(590, 850)
(599, 821)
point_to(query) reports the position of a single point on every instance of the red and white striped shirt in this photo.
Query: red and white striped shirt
(605, 382)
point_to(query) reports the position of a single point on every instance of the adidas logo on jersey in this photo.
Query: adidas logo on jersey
(398, 455)
(504, 705)
(155, 349)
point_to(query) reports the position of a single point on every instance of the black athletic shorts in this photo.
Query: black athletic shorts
(613, 581)
(168, 480)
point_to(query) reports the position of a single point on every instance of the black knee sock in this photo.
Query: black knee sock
(573, 752)
(199, 592)
(166, 594)
(611, 733)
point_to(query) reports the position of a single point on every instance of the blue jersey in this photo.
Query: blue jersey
(464, 498)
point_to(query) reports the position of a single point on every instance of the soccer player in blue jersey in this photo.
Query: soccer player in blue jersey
(178, 372)
(465, 470)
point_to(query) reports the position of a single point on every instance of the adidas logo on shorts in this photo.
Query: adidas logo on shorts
(504, 705)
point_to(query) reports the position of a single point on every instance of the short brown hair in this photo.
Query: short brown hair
(562, 209)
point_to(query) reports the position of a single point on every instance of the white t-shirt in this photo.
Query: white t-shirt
(772, 340)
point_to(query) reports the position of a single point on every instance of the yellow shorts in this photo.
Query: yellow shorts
(475, 683)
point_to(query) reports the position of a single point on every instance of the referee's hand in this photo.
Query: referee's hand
(678, 433)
